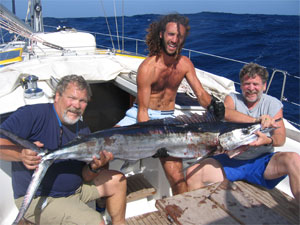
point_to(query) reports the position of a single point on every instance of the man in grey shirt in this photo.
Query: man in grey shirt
(258, 164)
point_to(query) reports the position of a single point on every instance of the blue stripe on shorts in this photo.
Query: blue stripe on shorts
(131, 115)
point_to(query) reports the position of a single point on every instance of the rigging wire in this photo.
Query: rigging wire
(112, 42)
(12, 26)
(116, 22)
(123, 25)
(2, 36)
(28, 12)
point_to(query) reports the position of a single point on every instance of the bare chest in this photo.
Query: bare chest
(167, 78)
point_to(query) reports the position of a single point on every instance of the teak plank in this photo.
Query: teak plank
(157, 218)
(138, 187)
(194, 208)
(229, 203)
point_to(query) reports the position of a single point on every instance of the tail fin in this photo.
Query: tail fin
(14, 138)
(37, 178)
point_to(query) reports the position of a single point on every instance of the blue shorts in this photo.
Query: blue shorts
(251, 170)
(131, 115)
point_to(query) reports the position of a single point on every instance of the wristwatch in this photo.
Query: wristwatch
(96, 170)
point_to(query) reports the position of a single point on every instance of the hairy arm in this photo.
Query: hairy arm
(12, 152)
(203, 97)
(9, 151)
(278, 135)
(96, 164)
(235, 116)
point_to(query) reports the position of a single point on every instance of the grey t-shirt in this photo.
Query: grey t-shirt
(267, 105)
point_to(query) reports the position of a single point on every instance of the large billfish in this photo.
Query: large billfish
(182, 137)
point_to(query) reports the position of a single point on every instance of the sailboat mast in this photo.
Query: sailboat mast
(13, 6)
(36, 16)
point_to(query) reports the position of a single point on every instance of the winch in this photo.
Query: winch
(31, 89)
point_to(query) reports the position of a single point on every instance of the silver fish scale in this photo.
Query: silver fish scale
(236, 138)
(186, 137)
(182, 145)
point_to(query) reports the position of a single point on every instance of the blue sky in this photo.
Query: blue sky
(92, 8)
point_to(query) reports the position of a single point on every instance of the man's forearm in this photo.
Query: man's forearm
(9, 151)
(87, 174)
(142, 115)
(278, 140)
(204, 98)
(232, 115)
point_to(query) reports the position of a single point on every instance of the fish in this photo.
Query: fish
(185, 136)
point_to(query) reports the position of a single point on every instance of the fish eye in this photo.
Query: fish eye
(245, 131)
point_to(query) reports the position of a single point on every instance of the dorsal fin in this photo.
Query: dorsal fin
(192, 118)
(196, 118)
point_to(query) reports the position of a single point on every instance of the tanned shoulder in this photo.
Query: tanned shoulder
(144, 71)
(185, 59)
(186, 64)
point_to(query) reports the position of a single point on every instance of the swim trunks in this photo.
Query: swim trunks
(131, 115)
(251, 170)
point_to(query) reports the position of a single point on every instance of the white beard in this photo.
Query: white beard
(69, 121)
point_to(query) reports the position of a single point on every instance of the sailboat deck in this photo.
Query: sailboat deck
(138, 187)
(224, 203)
(157, 218)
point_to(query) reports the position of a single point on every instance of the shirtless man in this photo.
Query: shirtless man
(158, 79)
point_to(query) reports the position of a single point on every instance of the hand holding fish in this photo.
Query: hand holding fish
(105, 157)
(262, 139)
(186, 136)
(96, 165)
(267, 121)
(30, 158)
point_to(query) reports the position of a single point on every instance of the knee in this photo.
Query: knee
(194, 175)
(294, 160)
(291, 160)
(172, 168)
(119, 180)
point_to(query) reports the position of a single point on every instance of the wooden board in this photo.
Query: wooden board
(229, 203)
(194, 208)
(153, 218)
(138, 187)
(278, 201)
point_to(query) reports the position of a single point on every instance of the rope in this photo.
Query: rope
(15, 28)
(186, 88)
(12, 26)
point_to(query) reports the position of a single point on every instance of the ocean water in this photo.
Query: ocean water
(270, 40)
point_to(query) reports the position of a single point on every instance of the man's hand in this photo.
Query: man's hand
(217, 108)
(105, 157)
(30, 158)
(262, 139)
(267, 121)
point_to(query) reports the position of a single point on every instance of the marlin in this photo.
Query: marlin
(185, 136)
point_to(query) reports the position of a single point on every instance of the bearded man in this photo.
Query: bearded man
(259, 164)
(68, 184)
(158, 79)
